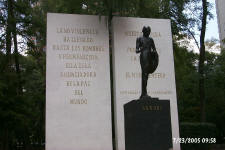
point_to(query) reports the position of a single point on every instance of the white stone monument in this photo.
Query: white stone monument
(78, 98)
(220, 5)
(127, 69)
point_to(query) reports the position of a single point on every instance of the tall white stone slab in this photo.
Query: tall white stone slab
(127, 69)
(78, 105)
(220, 5)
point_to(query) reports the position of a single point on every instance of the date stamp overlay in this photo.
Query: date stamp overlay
(194, 140)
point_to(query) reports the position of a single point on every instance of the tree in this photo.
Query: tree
(202, 59)
(198, 15)
(17, 117)
(186, 83)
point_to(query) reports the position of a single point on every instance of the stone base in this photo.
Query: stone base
(148, 124)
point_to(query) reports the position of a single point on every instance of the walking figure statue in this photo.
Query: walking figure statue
(148, 58)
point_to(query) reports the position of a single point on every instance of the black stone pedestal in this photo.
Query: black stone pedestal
(148, 124)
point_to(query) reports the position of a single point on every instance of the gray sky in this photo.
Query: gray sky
(211, 32)
(212, 26)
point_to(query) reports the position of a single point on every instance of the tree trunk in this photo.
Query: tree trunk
(16, 53)
(201, 62)
(8, 36)
(6, 139)
(9, 28)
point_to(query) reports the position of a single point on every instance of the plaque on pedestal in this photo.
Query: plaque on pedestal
(148, 124)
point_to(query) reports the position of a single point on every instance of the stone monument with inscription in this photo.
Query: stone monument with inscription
(78, 98)
(147, 120)
(148, 123)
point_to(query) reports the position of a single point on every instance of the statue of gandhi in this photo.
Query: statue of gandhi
(148, 58)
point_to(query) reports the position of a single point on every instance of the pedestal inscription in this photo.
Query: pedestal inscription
(148, 124)
(78, 105)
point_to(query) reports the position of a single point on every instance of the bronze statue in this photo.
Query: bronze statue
(148, 58)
